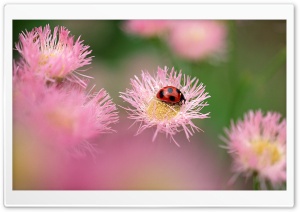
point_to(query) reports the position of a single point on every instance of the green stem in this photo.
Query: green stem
(283, 186)
(269, 185)
(256, 184)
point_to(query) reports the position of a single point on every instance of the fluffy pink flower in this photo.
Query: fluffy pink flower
(54, 56)
(258, 146)
(28, 89)
(197, 40)
(63, 117)
(146, 28)
(76, 119)
(170, 119)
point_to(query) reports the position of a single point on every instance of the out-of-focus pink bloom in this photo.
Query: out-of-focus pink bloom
(197, 40)
(65, 117)
(258, 146)
(71, 119)
(149, 111)
(146, 28)
(54, 57)
(28, 90)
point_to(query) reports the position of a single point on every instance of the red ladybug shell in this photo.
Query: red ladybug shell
(170, 94)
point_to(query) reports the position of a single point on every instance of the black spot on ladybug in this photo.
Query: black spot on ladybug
(161, 94)
(170, 90)
(172, 98)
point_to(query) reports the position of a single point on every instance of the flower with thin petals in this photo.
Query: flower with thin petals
(150, 111)
(54, 56)
(63, 117)
(258, 147)
(77, 118)
(146, 28)
(197, 40)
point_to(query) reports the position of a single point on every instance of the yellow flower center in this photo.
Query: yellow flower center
(270, 149)
(43, 60)
(196, 35)
(161, 111)
(61, 119)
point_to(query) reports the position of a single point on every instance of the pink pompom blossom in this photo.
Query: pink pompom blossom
(54, 56)
(146, 28)
(258, 147)
(66, 118)
(77, 118)
(149, 111)
(197, 39)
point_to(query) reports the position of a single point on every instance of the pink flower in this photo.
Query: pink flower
(54, 57)
(28, 89)
(197, 40)
(150, 111)
(65, 118)
(146, 28)
(258, 146)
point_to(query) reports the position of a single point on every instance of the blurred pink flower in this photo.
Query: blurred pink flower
(76, 120)
(65, 117)
(28, 90)
(54, 57)
(146, 28)
(149, 111)
(197, 40)
(258, 146)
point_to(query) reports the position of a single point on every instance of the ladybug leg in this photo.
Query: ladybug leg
(182, 99)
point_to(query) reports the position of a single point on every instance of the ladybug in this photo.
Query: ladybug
(170, 95)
